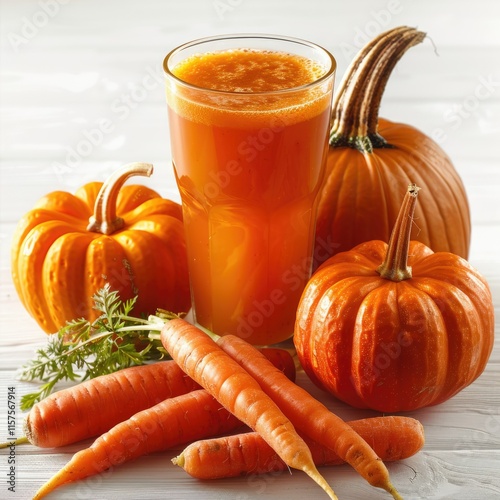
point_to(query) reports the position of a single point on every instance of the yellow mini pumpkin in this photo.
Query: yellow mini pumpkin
(69, 246)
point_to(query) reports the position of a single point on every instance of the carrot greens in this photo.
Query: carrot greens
(85, 349)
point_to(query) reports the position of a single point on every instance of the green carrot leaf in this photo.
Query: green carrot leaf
(83, 350)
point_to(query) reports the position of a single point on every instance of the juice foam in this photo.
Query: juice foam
(242, 83)
(245, 70)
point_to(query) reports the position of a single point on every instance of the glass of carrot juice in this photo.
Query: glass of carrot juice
(249, 117)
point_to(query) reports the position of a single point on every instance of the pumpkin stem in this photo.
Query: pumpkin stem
(104, 220)
(357, 102)
(395, 266)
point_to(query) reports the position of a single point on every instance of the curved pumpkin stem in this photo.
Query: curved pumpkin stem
(395, 266)
(104, 220)
(348, 99)
(357, 102)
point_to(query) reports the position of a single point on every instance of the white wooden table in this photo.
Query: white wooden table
(67, 67)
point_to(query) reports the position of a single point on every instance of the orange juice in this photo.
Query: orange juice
(248, 158)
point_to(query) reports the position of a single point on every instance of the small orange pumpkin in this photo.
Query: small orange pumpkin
(395, 327)
(369, 158)
(69, 246)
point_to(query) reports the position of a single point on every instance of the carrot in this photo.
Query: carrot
(282, 360)
(392, 438)
(95, 406)
(174, 421)
(200, 357)
(170, 423)
(309, 416)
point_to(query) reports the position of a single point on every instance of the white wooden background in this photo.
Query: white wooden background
(70, 68)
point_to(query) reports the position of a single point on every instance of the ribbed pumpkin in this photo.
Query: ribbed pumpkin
(370, 158)
(69, 246)
(395, 327)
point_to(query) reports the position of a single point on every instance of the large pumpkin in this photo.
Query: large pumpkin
(69, 246)
(395, 327)
(370, 158)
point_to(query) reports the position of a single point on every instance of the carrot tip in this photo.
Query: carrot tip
(179, 460)
(43, 491)
(394, 492)
(313, 473)
(16, 442)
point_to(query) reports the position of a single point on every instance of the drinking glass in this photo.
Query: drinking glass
(249, 149)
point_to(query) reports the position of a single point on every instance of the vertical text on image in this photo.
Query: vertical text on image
(11, 438)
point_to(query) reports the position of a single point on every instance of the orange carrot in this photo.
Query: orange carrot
(200, 357)
(309, 416)
(282, 360)
(170, 423)
(94, 406)
(392, 438)
(174, 421)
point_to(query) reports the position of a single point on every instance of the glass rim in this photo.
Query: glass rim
(283, 38)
